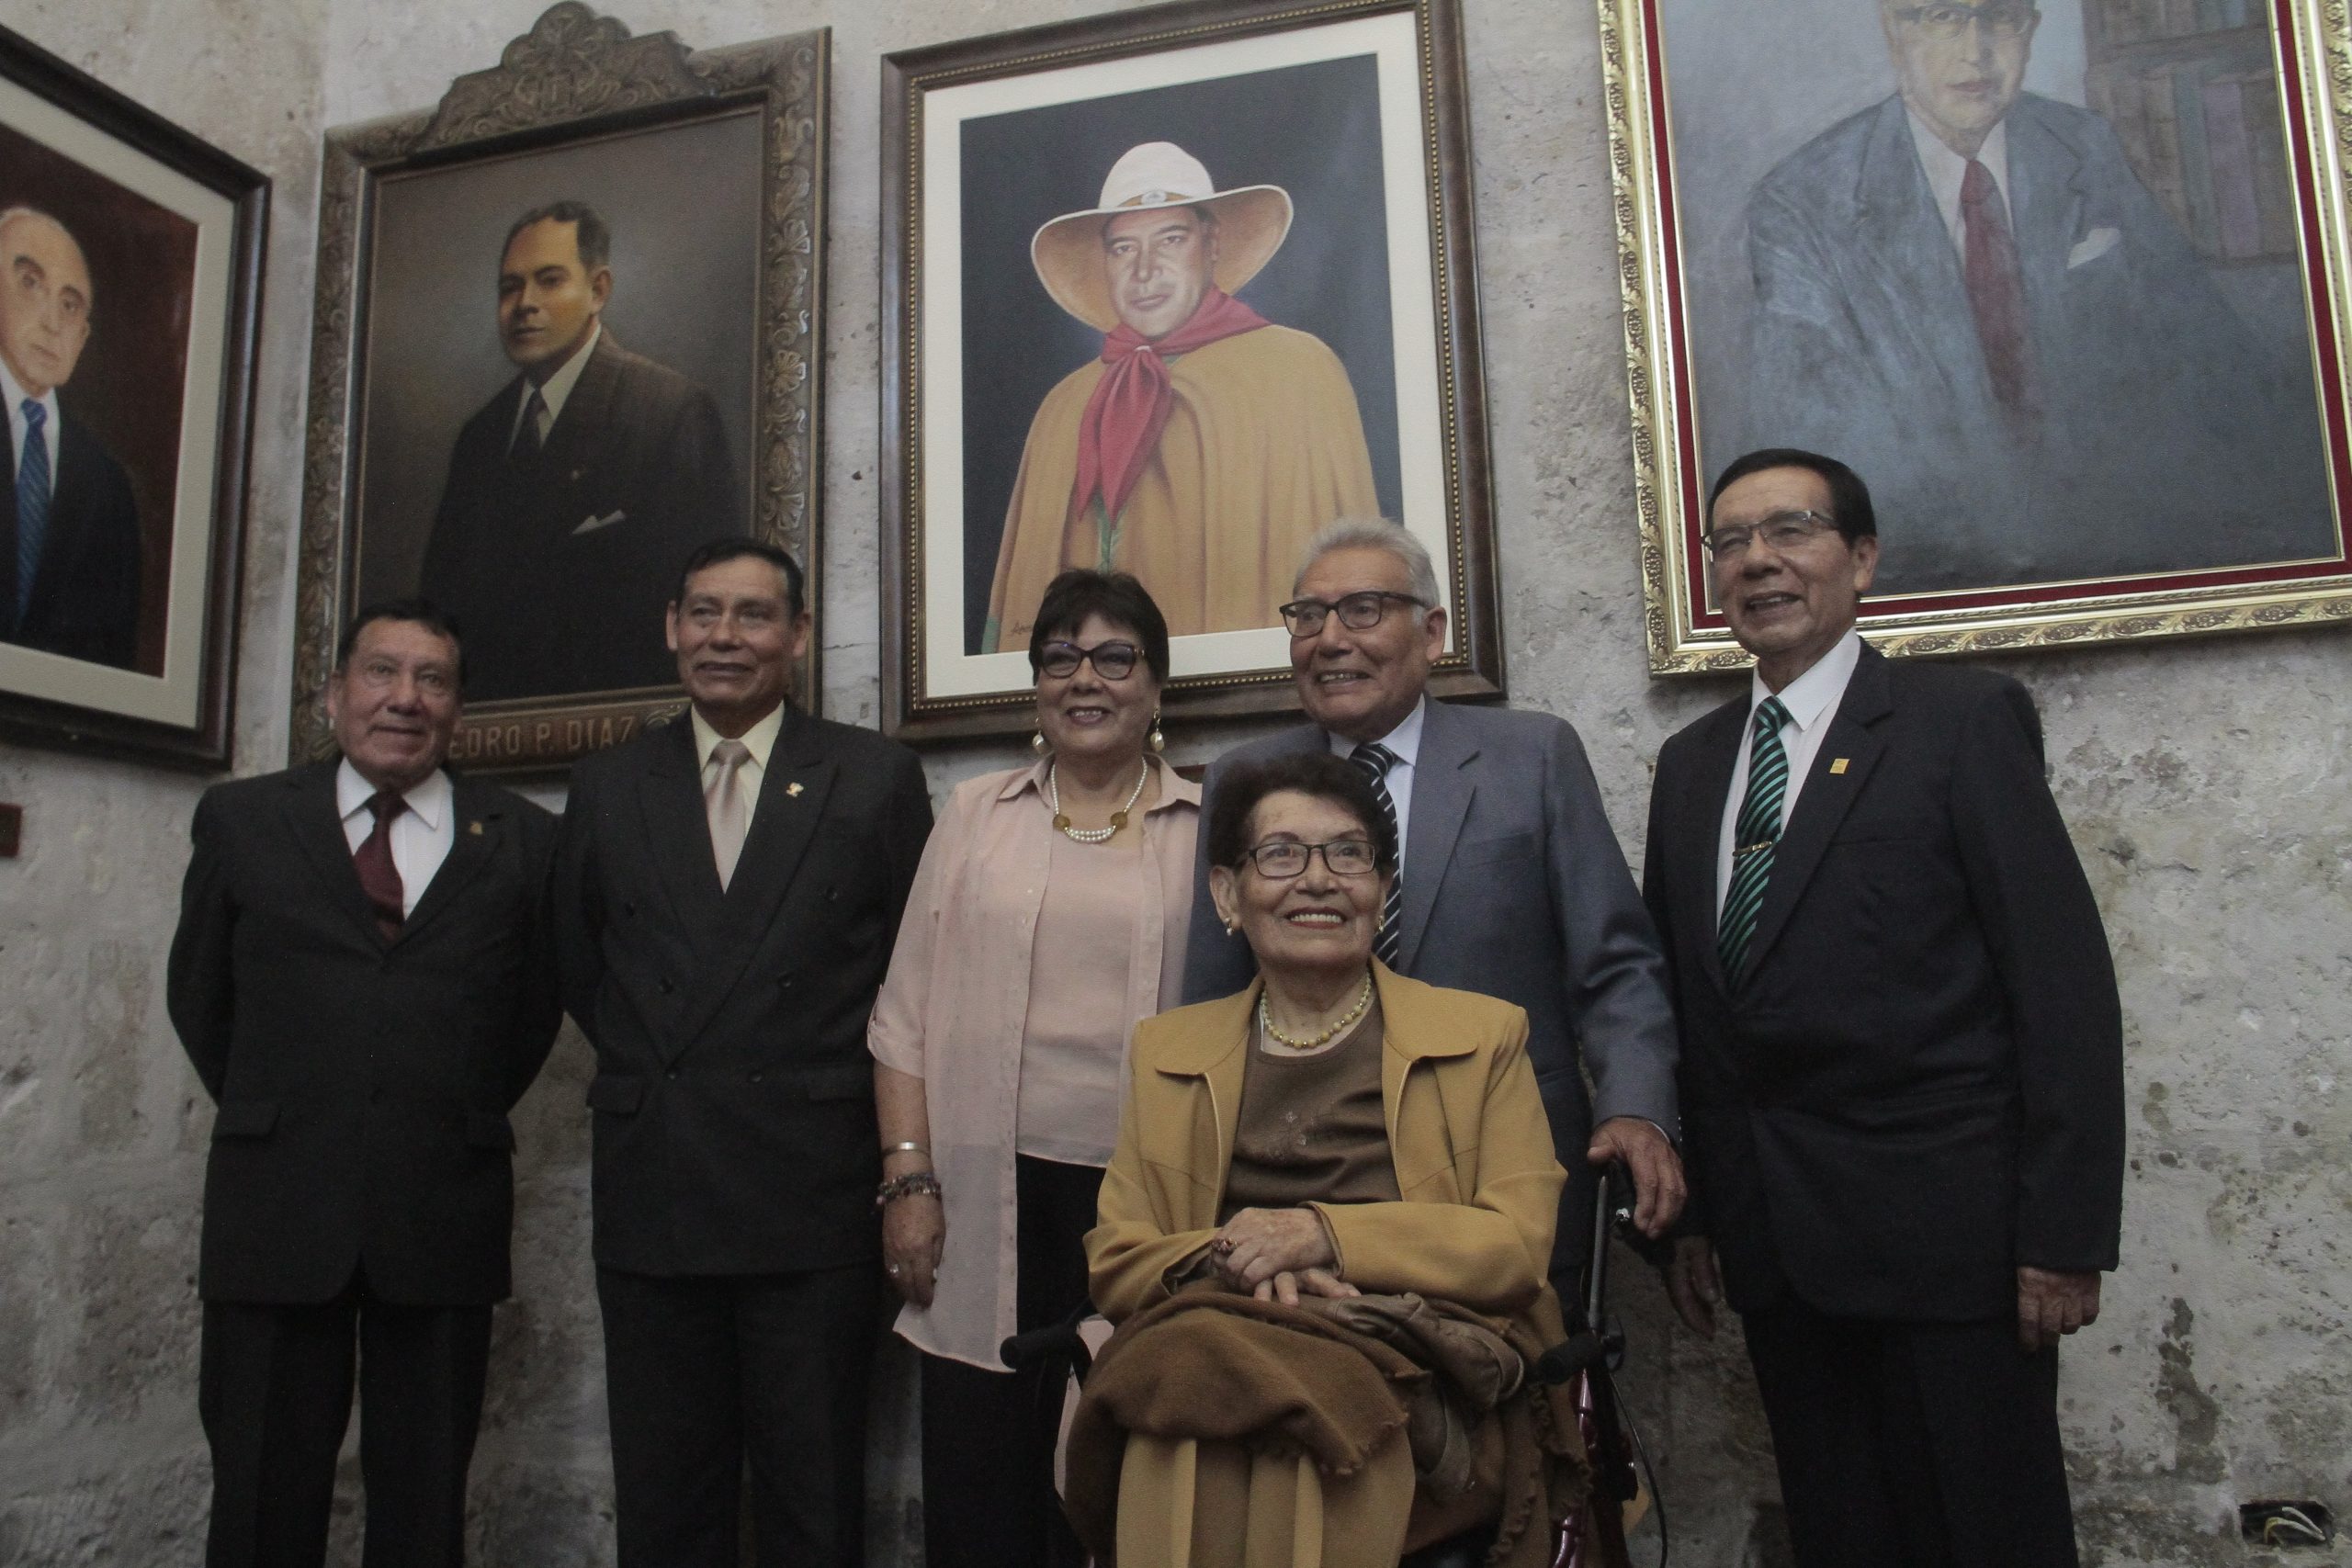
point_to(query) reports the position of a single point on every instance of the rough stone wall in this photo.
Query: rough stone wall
(2202, 782)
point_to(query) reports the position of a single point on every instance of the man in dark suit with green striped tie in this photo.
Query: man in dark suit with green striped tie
(1901, 1068)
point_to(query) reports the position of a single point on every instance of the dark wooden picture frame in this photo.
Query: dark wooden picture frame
(125, 641)
(709, 168)
(1338, 100)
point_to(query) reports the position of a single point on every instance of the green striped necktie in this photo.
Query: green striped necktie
(1754, 839)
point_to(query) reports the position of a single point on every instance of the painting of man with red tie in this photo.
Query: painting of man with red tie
(1974, 289)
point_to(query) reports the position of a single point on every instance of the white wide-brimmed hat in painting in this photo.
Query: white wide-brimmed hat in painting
(1251, 223)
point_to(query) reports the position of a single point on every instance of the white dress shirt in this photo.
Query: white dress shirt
(420, 835)
(557, 391)
(759, 741)
(1811, 700)
(1945, 169)
(1405, 741)
(16, 396)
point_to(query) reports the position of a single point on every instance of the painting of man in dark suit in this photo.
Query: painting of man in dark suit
(578, 487)
(1969, 286)
(69, 524)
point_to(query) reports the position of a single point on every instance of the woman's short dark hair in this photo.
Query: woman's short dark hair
(1113, 595)
(1316, 774)
(1849, 499)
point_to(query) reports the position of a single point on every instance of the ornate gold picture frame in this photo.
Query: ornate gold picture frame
(2140, 434)
(698, 412)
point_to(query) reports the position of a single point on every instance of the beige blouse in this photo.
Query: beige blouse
(960, 1001)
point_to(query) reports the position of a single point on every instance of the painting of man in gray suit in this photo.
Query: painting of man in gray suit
(1968, 286)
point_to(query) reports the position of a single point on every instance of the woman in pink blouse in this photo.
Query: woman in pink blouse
(1048, 917)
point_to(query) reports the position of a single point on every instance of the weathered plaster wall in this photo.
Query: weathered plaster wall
(2202, 783)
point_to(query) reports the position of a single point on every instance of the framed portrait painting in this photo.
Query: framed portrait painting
(2063, 281)
(131, 258)
(1167, 292)
(567, 331)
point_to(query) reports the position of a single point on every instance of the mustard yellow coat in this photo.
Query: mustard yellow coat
(1473, 1162)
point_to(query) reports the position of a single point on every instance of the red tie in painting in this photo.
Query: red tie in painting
(379, 877)
(1996, 292)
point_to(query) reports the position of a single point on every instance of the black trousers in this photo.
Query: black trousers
(274, 1388)
(988, 1436)
(1913, 1445)
(704, 1372)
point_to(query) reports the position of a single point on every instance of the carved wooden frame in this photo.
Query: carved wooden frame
(1473, 668)
(574, 77)
(96, 725)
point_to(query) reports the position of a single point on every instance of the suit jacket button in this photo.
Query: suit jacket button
(785, 983)
(759, 1077)
(666, 986)
(671, 1074)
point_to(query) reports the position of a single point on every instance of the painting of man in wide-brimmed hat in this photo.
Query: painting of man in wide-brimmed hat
(1205, 446)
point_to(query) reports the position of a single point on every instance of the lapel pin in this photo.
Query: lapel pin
(474, 827)
(793, 789)
(1838, 765)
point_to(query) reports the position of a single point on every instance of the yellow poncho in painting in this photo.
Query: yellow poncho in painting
(1262, 447)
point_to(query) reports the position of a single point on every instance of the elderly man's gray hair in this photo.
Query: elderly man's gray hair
(1375, 534)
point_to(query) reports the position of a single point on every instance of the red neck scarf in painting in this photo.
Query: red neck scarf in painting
(1121, 427)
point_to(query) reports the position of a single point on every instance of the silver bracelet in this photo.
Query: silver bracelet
(909, 1147)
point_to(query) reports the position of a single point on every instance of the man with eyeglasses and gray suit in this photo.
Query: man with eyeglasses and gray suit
(1513, 883)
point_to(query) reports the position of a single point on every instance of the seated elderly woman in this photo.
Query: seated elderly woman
(1323, 1234)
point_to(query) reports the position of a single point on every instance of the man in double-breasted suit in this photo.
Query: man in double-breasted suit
(365, 978)
(1513, 883)
(579, 487)
(69, 520)
(1902, 1053)
(729, 887)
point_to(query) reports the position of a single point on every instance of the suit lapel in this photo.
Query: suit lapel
(1700, 888)
(2047, 203)
(1827, 797)
(477, 823)
(1444, 778)
(1913, 262)
(311, 816)
(794, 790)
(571, 444)
(677, 829)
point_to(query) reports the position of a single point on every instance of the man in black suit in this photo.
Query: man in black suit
(365, 978)
(579, 486)
(729, 887)
(1902, 1053)
(69, 525)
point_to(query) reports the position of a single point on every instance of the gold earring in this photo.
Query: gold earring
(1037, 743)
(1158, 742)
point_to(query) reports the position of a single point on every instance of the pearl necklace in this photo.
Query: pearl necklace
(1091, 835)
(1346, 1022)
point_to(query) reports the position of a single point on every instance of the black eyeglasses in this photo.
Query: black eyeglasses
(1357, 612)
(1111, 660)
(1781, 530)
(1285, 858)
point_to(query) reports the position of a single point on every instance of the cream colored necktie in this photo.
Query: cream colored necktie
(729, 804)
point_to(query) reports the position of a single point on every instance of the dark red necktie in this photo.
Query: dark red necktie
(379, 877)
(1996, 292)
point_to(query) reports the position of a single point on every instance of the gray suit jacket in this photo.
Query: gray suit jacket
(2160, 434)
(1514, 885)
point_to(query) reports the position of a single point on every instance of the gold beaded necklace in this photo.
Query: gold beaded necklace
(1092, 835)
(1346, 1020)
